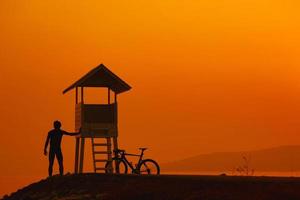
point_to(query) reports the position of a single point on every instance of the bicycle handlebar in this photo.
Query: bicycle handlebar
(123, 151)
(119, 151)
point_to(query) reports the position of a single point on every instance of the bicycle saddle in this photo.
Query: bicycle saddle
(143, 149)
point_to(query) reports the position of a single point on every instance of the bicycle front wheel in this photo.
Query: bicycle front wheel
(149, 166)
(119, 166)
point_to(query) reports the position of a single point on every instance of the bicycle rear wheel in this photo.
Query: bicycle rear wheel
(149, 166)
(120, 167)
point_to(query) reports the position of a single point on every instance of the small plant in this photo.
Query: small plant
(245, 168)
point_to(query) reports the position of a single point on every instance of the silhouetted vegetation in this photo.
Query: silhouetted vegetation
(245, 169)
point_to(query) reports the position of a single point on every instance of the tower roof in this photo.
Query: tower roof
(101, 76)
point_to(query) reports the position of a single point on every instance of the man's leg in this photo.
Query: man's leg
(51, 160)
(59, 157)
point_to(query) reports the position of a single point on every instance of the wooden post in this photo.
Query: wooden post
(108, 97)
(77, 139)
(109, 156)
(116, 113)
(115, 97)
(76, 95)
(115, 142)
(82, 98)
(81, 155)
(76, 155)
(115, 138)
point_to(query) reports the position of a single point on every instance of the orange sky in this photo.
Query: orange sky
(206, 75)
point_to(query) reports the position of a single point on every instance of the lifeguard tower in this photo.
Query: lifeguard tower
(97, 120)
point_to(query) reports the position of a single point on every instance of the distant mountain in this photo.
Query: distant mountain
(280, 159)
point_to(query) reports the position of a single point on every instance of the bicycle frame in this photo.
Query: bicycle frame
(123, 157)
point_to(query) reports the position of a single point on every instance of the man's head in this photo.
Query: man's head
(57, 124)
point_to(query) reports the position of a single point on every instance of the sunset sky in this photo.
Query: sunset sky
(206, 76)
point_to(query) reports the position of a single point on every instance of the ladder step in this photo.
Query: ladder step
(100, 160)
(102, 152)
(100, 168)
(106, 150)
(101, 144)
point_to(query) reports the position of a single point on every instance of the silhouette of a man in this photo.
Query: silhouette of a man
(55, 137)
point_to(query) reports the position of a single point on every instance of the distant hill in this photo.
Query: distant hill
(280, 159)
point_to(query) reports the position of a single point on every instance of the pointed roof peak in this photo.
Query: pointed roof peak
(101, 76)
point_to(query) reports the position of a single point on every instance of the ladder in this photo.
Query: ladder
(106, 154)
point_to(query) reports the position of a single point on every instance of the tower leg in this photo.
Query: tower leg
(81, 155)
(76, 155)
(115, 142)
(109, 153)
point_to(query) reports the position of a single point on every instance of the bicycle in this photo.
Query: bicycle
(144, 166)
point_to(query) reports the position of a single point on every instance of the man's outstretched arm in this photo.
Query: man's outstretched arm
(46, 144)
(72, 134)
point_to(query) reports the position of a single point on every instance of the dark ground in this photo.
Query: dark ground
(134, 187)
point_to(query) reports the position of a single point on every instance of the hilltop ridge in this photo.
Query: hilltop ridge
(164, 187)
